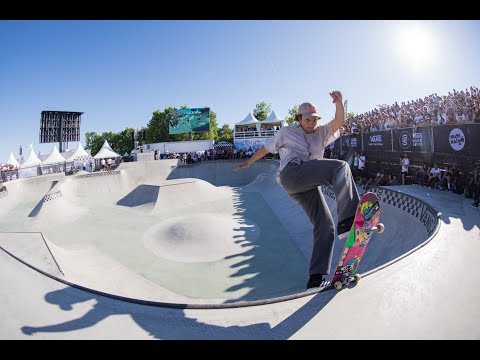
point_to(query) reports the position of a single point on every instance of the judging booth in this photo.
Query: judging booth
(252, 134)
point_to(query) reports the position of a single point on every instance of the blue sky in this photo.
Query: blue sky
(119, 72)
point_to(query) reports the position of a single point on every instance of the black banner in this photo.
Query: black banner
(351, 142)
(378, 140)
(8, 175)
(52, 169)
(412, 139)
(457, 139)
(335, 145)
(69, 168)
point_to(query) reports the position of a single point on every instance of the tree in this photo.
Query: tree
(93, 142)
(120, 142)
(290, 119)
(262, 110)
(157, 127)
(225, 133)
(123, 142)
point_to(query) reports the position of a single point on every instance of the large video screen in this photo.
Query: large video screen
(189, 121)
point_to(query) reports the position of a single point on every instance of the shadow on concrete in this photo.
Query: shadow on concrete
(141, 195)
(173, 324)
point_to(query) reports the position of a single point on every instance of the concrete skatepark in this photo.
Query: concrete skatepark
(158, 250)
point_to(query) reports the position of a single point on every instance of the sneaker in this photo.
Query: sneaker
(317, 280)
(344, 227)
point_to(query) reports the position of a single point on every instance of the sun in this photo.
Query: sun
(415, 44)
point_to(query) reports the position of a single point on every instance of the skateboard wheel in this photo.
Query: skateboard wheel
(338, 285)
(380, 227)
(358, 277)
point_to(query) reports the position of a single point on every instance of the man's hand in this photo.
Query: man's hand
(243, 165)
(336, 96)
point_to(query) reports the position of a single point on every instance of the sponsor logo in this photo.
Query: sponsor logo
(405, 139)
(457, 139)
(417, 139)
(376, 140)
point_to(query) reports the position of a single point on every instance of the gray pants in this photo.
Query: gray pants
(301, 181)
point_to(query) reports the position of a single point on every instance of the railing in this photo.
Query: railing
(254, 134)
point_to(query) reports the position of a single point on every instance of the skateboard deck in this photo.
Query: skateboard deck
(366, 222)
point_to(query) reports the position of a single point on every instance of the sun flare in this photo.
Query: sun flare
(416, 45)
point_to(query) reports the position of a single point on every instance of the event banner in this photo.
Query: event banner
(254, 144)
(8, 175)
(378, 140)
(189, 121)
(413, 139)
(351, 142)
(28, 172)
(52, 169)
(457, 139)
(334, 146)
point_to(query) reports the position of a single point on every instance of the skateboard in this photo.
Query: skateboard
(366, 222)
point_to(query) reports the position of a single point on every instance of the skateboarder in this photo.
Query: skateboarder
(302, 169)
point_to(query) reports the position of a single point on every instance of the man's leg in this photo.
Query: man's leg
(309, 175)
(314, 205)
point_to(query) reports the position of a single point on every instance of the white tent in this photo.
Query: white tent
(250, 122)
(32, 160)
(249, 119)
(106, 152)
(12, 160)
(54, 158)
(273, 118)
(80, 154)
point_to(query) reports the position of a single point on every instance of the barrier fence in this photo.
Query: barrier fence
(446, 144)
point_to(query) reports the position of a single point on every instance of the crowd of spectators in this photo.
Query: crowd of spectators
(457, 107)
(8, 167)
(224, 153)
(447, 178)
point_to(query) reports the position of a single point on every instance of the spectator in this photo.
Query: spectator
(472, 184)
(328, 153)
(405, 162)
(392, 180)
(434, 176)
(362, 160)
(421, 176)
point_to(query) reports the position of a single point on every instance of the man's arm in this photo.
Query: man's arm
(339, 118)
(260, 153)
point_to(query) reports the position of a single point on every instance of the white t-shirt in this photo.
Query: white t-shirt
(361, 162)
(405, 162)
(435, 172)
(292, 142)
